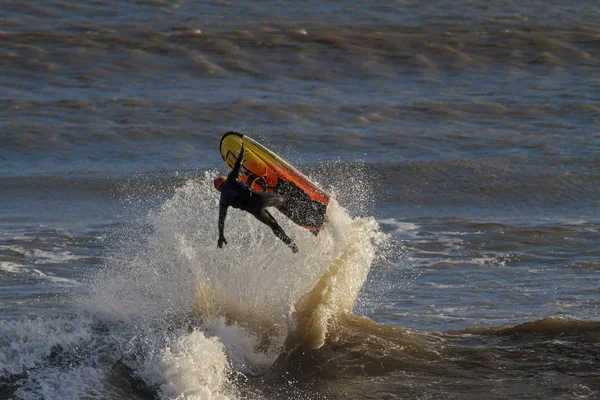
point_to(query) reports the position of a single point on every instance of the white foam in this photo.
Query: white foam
(439, 285)
(401, 228)
(241, 347)
(25, 344)
(38, 256)
(56, 256)
(14, 248)
(69, 357)
(133, 309)
(52, 277)
(23, 269)
(10, 267)
(74, 383)
(497, 260)
(192, 366)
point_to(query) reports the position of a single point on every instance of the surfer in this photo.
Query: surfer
(236, 194)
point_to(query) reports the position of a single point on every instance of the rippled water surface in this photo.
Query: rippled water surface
(460, 141)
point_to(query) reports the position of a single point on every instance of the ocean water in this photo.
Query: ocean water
(460, 140)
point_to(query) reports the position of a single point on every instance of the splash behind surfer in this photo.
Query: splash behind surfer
(236, 194)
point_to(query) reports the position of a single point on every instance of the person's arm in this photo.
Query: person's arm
(236, 168)
(222, 215)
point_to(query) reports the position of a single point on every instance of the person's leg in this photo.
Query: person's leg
(266, 218)
(272, 200)
(259, 201)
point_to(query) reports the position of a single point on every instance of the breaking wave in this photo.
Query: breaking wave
(185, 319)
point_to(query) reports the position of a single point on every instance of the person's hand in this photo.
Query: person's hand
(221, 241)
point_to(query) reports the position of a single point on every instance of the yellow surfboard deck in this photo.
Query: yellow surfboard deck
(264, 170)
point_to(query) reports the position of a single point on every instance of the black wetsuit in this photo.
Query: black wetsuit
(236, 194)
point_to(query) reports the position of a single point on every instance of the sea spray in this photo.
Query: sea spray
(181, 317)
(336, 291)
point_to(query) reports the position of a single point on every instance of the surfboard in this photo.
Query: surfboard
(265, 171)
